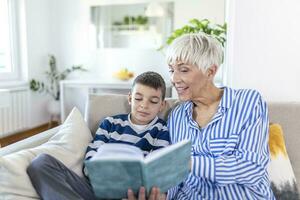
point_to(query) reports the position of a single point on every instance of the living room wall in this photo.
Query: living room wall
(39, 45)
(52, 28)
(263, 47)
(261, 55)
(60, 27)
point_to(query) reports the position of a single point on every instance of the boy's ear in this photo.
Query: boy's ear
(163, 105)
(129, 97)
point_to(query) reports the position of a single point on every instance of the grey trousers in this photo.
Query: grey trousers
(52, 180)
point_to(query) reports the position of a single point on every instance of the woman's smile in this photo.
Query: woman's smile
(181, 89)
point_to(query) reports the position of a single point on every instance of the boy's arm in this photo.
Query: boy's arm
(101, 136)
(162, 138)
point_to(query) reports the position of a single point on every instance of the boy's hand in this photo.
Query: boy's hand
(154, 195)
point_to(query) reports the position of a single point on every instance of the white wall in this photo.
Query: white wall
(39, 45)
(199, 9)
(264, 47)
(60, 27)
(69, 23)
(70, 20)
(263, 44)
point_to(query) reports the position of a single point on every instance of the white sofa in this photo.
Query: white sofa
(99, 106)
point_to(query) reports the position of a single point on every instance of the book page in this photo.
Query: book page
(117, 151)
(166, 150)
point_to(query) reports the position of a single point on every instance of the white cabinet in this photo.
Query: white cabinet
(75, 93)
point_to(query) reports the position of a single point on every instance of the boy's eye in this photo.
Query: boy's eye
(154, 100)
(171, 70)
(138, 99)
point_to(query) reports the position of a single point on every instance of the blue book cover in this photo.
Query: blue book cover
(117, 167)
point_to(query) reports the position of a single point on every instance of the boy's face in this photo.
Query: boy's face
(146, 102)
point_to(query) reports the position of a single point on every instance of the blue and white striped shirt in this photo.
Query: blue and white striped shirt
(230, 154)
(119, 129)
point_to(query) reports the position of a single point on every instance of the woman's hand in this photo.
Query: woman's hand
(154, 195)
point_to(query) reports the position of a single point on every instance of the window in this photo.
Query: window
(5, 65)
(10, 39)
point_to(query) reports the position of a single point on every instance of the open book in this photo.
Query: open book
(117, 167)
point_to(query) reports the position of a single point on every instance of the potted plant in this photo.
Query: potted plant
(195, 26)
(51, 86)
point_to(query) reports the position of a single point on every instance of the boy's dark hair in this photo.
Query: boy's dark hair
(153, 80)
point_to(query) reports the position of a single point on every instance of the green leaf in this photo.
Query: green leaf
(217, 31)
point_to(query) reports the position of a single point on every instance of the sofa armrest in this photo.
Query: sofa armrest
(30, 142)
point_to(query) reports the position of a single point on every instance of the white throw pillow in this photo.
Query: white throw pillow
(68, 145)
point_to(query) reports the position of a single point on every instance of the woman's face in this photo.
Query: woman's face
(188, 80)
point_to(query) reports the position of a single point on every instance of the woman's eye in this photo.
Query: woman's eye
(171, 71)
(184, 70)
(154, 102)
(138, 99)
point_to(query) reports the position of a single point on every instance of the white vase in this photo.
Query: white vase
(54, 107)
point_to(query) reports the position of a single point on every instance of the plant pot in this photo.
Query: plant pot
(54, 107)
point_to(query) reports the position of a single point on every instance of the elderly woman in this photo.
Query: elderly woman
(228, 128)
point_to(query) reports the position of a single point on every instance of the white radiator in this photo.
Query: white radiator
(13, 110)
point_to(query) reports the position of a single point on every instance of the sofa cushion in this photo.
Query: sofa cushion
(68, 145)
(280, 169)
(287, 114)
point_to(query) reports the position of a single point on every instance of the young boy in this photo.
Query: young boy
(141, 128)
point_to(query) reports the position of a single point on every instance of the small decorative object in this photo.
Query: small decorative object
(195, 26)
(123, 74)
(131, 23)
(141, 20)
(54, 107)
(51, 87)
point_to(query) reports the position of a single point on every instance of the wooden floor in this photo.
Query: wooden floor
(25, 134)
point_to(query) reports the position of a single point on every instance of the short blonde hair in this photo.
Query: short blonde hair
(196, 49)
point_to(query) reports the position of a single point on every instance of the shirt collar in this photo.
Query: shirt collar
(188, 108)
(227, 98)
(146, 126)
(225, 103)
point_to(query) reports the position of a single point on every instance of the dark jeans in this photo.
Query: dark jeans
(52, 180)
